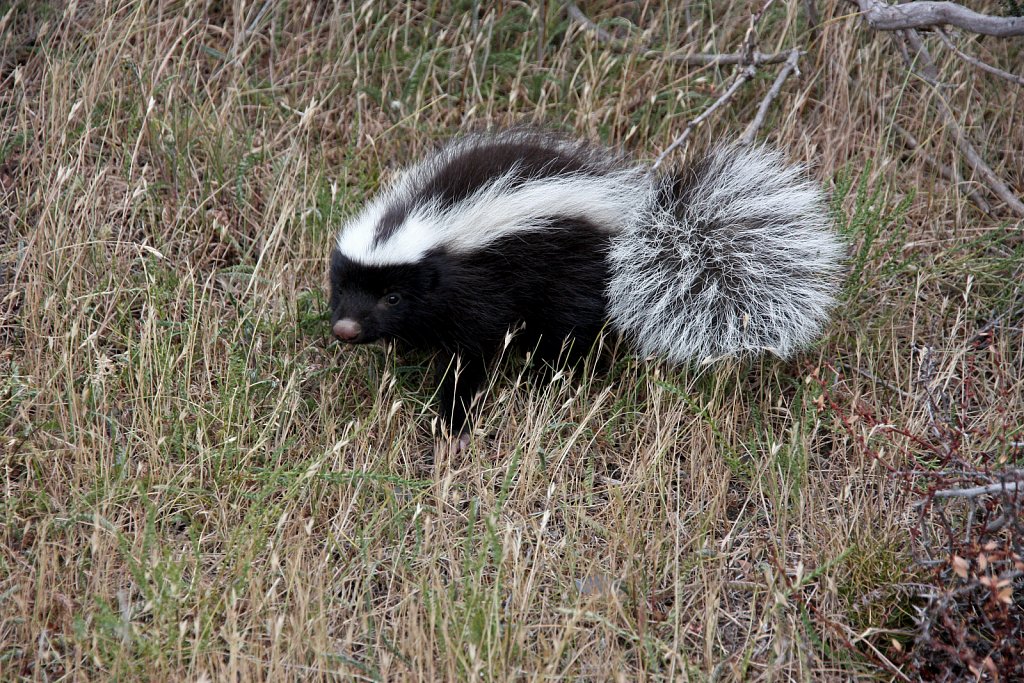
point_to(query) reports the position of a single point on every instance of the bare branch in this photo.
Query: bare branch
(749, 50)
(974, 160)
(1013, 78)
(882, 16)
(715, 59)
(974, 492)
(762, 111)
(693, 59)
(744, 76)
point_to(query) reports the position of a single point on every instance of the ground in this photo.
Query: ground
(199, 485)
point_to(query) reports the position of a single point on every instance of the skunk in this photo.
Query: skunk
(524, 230)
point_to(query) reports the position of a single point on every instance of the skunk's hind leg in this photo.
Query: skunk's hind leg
(557, 350)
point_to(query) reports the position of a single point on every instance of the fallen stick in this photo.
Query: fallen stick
(984, 66)
(882, 16)
(976, 491)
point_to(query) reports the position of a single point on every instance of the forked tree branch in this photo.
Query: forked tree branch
(748, 72)
(744, 76)
(762, 111)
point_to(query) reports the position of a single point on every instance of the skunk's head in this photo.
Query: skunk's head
(370, 303)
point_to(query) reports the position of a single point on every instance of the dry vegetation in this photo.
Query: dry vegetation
(197, 485)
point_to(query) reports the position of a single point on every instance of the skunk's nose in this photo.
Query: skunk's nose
(347, 329)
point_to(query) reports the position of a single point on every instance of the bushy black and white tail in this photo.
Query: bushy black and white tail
(735, 256)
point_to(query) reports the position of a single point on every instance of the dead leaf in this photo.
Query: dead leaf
(597, 584)
(960, 566)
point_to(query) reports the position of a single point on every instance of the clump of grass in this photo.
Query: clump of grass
(198, 485)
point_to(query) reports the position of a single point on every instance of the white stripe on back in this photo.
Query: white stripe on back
(505, 206)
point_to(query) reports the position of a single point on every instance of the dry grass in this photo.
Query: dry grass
(197, 485)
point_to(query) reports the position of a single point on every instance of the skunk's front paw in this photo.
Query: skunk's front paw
(448, 446)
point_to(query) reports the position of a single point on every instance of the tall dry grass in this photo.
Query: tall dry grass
(198, 485)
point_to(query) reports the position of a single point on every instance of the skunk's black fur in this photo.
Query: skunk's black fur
(550, 284)
(465, 305)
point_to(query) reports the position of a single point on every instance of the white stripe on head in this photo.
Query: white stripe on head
(413, 239)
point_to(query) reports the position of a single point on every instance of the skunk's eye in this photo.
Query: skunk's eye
(392, 299)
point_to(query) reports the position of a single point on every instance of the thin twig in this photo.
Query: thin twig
(984, 66)
(694, 59)
(882, 16)
(762, 111)
(749, 52)
(974, 160)
(948, 172)
(744, 76)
